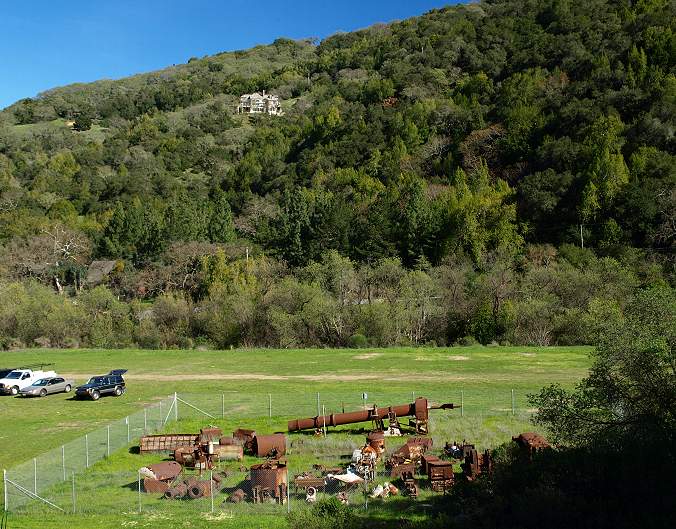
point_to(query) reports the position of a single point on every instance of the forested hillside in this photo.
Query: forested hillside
(499, 171)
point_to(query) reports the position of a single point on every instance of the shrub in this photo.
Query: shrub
(148, 336)
(468, 340)
(358, 341)
(325, 514)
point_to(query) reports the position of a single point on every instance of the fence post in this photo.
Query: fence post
(139, 492)
(211, 490)
(86, 450)
(270, 405)
(108, 440)
(462, 403)
(73, 493)
(128, 432)
(513, 403)
(366, 494)
(324, 415)
(4, 488)
(223, 405)
(35, 476)
(318, 408)
(63, 461)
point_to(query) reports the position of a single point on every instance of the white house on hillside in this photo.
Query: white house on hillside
(259, 104)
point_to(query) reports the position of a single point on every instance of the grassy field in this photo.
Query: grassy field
(485, 375)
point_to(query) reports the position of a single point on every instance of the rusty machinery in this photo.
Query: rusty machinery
(210, 446)
(440, 474)
(410, 483)
(476, 463)
(244, 437)
(418, 411)
(269, 481)
(531, 443)
(163, 478)
(364, 459)
(158, 478)
(194, 488)
(458, 451)
(410, 452)
(403, 463)
(207, 448)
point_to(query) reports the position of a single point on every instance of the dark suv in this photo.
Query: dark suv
(110, 384)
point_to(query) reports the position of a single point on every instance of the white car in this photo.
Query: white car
(19, 379)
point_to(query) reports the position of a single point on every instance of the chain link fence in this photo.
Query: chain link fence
(100, 472)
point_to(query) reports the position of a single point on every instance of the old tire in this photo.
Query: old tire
(67, 388)
(14, 390)
(96, 395)
(118, 391)
(43, 392)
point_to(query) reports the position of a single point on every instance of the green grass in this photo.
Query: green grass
(485, 375)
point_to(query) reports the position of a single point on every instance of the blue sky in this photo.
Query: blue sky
(48, 43)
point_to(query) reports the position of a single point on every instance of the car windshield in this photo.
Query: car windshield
(96, 380)
(14, 375)
(42, 382)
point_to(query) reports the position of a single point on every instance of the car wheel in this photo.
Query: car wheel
(43, 393)
(67, 388)
(14, 390)
(118, 391)
(95, 395)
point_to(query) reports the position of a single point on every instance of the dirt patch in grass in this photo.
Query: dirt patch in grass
(196, 376)
(458, 358)
(527, 354)
(367, 356)
(390, 376)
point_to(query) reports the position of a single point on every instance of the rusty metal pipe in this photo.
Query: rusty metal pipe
(201, 489)
(418, 409)
(179, 491)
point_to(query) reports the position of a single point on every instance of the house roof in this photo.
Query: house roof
(258, 96)
(98, 271)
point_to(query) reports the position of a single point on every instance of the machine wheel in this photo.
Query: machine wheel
(67, 388)
(43, 392)
(118, 391)
(96, 395)
(14, 390)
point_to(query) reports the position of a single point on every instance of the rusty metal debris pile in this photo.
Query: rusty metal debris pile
(165, 479)
(267, 482)
(406, 469)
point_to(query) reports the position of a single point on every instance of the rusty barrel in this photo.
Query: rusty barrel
(269, 445)
(201, 489)
(179, 491)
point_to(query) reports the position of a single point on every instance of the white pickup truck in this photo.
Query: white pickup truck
(18, 379)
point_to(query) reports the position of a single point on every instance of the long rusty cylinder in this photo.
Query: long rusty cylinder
(419, 409)
(269, 445)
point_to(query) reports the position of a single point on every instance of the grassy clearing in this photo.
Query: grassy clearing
(485, 375)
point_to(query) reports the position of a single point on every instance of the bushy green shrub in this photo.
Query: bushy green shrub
(358, 341)
(325, 514)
